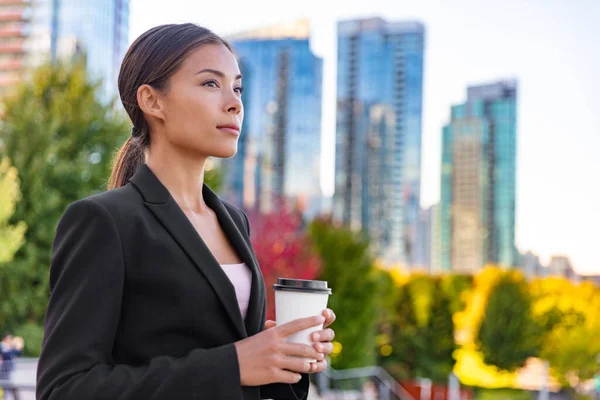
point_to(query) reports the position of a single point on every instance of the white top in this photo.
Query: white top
(241, 278)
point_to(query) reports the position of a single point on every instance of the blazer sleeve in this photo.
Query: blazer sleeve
(282, 391)
(86, 284)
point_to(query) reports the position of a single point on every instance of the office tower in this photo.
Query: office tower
(15, 24)
(36, 31)
(435, 249)
(422, 258)
(280, 149)
(378, 138)
(478, 180)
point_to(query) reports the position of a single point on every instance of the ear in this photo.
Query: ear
(149, 101)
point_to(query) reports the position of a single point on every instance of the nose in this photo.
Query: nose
(233, 103)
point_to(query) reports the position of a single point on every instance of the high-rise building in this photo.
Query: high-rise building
(15, 24)
(435, 266)
(531, 266)
(422, 259)
(34, 31)
(561, 266)
(378, 138)
(279, 153)
(477, 207)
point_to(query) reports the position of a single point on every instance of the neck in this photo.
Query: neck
(182, 175)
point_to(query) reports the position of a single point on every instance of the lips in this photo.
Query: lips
(231, 128)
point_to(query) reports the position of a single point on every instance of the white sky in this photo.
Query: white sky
(551, 46)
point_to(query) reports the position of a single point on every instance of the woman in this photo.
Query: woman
(155, 288)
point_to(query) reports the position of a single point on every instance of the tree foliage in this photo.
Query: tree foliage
(421, 339)
(12, 237)
(61, 138)
(509, 335)
(570, 314)
(283, 249)
(349, 269)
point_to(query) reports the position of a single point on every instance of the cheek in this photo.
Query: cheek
(190, 110)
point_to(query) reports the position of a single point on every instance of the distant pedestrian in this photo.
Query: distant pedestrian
(10, 348)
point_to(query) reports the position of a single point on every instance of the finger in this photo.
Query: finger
(300, 324)
(294, 364)
(318, 366)
(287, 377)
(329, 317)
(326, 335)
(270, 324)
(301, 350)
(324, 348)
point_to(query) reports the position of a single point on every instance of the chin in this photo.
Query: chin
(225, 152)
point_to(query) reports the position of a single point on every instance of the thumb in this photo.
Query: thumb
(270, 324)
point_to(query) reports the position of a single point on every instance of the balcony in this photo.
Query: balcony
(12, 30)
(11, 64)
(15, 2)
(12, 47)
(14, 14)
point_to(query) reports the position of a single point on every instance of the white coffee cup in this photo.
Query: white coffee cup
(300, 298)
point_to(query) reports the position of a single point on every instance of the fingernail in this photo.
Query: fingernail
(316, 337)
(322, 319)
(320, 348)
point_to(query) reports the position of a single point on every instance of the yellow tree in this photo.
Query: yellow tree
(11, 236)
(571, 313)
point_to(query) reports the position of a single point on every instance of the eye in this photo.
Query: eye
(211, 83)
(239, 90)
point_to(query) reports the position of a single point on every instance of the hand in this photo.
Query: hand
(322, 340)
(268, 358)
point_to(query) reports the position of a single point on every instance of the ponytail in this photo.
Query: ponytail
(131, 155)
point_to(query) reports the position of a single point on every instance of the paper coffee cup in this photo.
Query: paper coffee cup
(300, 298)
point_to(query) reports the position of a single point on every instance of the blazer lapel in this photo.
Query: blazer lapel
(159, 201)
(241, 243)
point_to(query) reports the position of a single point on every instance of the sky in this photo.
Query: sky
(551, 47)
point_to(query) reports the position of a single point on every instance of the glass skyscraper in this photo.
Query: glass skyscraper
(280, 148)
(58, 29)
(378, 137)
(477, 206)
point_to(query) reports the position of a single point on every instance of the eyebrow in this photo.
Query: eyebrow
(218, 73)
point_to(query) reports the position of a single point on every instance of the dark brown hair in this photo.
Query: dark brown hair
(152, 59)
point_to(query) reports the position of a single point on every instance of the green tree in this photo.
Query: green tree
(405, 341)
(508, 334)
(436, 360)
(12, 237)
(348, 267)
(422, 346)
(62, 139)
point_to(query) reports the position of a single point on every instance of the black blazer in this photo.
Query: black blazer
(140, 308)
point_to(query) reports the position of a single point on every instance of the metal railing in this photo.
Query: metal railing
(388, 387)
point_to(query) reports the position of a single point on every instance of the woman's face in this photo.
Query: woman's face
(202, 105)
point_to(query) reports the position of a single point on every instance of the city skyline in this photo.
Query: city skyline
(467, 44)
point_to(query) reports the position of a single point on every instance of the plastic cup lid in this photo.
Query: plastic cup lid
(302, 285)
